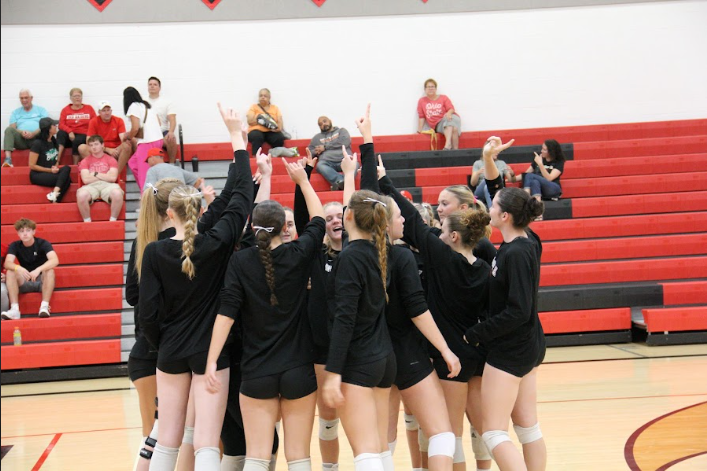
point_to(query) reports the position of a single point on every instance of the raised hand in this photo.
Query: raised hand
(380, 168)
(538, 159)
(296, 171)
(264, 162)
(364, 125)
(232, 119)
(348, 163)
(495, 146)
(310, 160)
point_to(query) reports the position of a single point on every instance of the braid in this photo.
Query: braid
(380, 238)
(263, 239)
(189, 234)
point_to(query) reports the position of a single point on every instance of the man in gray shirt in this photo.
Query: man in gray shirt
(477, 178)
(326, 146)
(159, 169)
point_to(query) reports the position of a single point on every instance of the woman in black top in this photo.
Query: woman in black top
(360, 363)
(180, 282)
(457, 283)
(542, 178)
(266, 287)
(512, 333)
(408, 319)
(44, 162)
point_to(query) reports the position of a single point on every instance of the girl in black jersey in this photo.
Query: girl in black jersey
(265, 287)
(153, 224)
(512, 333)
(179, 295)
(360, 363)
(408, 319)
(457, 283)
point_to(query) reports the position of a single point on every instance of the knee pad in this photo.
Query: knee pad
(328, 429)
(387, 460)
(443, 444)
(232, 463)
(411, 422)
(481, 453)
(458, 451)
(368, 462)
(300, 465)
(528, 434)
(207, 457)
(164, 458)
(422, 441)
(392, 445)
(188, 437)
(493, 438)
(254, 464)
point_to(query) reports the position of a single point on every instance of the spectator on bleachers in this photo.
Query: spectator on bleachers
(99, 174)
(30, 264)
(264, 123)
(167, 114)
(73, 124)
(3, 296)
(436, 112)
(326, 147)
(478, 181)
(24, 126)
(44, 162)
(542, 178)
(112, 130)
(145, 128)
(160, 169)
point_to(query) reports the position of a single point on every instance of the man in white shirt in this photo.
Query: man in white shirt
(167, 114)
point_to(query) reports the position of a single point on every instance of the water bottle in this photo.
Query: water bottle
(17, 337)
(195, 164)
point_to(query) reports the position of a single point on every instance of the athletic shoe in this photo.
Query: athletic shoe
(45, 312)
(11, 315)
(51, 196)
(295, 152)
(7, 162)
(338, 186)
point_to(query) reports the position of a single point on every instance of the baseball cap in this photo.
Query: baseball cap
(103, 104)
(156, 152)
(46, 123)
(406, 194)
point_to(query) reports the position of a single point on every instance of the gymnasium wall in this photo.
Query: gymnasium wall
(502, 69)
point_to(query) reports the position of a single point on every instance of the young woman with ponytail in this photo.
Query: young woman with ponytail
(180, 281)
(457, 283)
(265, 288)
(512, 333)
(411, 326)
(360, 363)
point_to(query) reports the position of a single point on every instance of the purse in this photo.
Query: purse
(141, 132)
(270, 123)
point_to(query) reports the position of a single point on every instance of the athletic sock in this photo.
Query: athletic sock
(330, 466)
(207, 457)
(305, 464)
(387, 459)
(86, 219)
(164, 458)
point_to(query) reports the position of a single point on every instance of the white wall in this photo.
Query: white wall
(514, 69)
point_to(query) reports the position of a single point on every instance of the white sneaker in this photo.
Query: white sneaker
(45, 312)
(51, 196)
(11, 315)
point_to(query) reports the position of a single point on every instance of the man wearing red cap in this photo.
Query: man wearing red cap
(112, 130)
(99, 173)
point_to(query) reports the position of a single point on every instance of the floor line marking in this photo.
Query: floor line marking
(628, 351)
(47, 450)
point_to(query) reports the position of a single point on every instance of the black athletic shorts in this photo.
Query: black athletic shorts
(470, 368)
(195, 363)
(294, 383)
(139, 368)
(379, 374)
(412, 359)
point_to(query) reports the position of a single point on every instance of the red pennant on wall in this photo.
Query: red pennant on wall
(319, 3)
(100, 4)
(211, 3)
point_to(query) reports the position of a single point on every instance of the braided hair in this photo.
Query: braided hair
(185, 202)
(268, 221)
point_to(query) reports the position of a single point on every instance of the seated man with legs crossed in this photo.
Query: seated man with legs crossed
(99, 173)
(326, 146)
(30, 264)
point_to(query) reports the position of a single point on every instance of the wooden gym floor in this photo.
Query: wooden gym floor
(607, 407)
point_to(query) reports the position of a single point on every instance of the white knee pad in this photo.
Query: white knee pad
(207, 457)
(328, 429)
(368, 462)
(304, 464)
(392, 445)
(459, 450)
(481, 453)
(387, 460)
(411, 422)
(254, 464)
(188, 437)
(232, 463)
(422, 441)
(164, 458)
(443, 444)
(528, 434)
(493, 438)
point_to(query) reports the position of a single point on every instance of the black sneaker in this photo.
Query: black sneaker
(338, 186)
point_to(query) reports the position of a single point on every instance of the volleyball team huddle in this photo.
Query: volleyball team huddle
(239, 327)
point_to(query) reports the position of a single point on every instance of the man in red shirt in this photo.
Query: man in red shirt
(112, 130)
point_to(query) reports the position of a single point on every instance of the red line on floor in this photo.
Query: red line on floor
(45, 455)
(73, 431)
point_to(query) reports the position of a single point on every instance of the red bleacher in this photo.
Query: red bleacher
(675, 319)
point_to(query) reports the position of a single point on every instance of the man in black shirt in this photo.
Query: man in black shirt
(30, 266)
